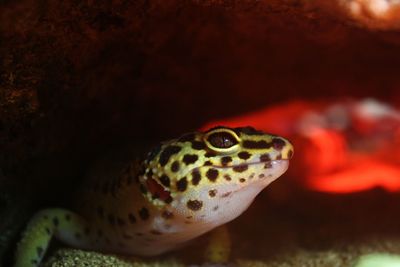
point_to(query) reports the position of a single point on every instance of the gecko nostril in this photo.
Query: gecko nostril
(290, 154)
(278, 143)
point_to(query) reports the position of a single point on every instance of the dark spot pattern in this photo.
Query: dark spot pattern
(198, 145)
(212, 193)
(167, 153)
(190, 158)
(212, 174)
(181, 185)
(278, 143)
(175, 166)
(194, 205)
(210, 154)
(144, 213)
(67, 217)
(240, 168)
(268, 165)
(262, 144)
(196, 177)
(244, 155)
(165, 181)
(168, 199)
(48, 231)
(242, 180)
(227, 177)
(262, 175)
(226, 160)
(207, 163)
(265, 157)
(215, 208)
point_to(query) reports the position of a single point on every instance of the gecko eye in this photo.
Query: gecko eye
(222, 140)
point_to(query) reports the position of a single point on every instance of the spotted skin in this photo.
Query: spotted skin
(183, 188)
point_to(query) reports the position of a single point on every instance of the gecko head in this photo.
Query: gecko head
(213, 176)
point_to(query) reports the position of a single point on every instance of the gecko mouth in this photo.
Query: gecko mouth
(266, 170)
(267, 164)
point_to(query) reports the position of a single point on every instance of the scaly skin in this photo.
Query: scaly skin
(183, 188)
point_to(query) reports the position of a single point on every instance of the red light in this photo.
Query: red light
(340, 147)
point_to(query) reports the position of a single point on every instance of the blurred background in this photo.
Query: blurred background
(80, 77)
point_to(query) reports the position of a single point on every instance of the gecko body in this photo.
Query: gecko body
(182, 189)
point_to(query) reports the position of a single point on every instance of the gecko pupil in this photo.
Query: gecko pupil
(222, 140)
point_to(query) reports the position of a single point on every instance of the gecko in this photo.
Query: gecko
(179, 190)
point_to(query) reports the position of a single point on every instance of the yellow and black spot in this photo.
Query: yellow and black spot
(265, 157)
(175, 166)
(212, 174)
(167, 153)
(244, 155)
(164, 179)
(212, 193)
(190, 158)
(210, 154)
(196, 177)
(240, 168)
(262, 144)
(207, 163)
(227, 177)
(181, 185)
(278, 143)
(194, 205)
(226, 160)
(197, 145)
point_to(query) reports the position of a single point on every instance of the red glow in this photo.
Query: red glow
(277, 119)
(340, 147)
(359, 176)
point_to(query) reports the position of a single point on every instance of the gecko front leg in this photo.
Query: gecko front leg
(60, 223)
